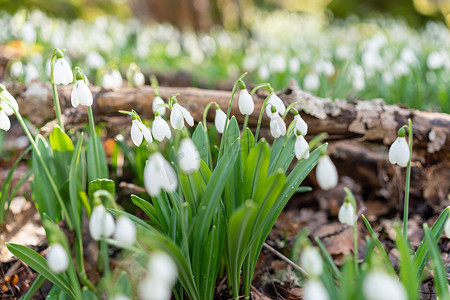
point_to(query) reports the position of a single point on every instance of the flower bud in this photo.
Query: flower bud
(188, 156)
(246, 104)
(57, 258)
(315, 290)
(301, 148)
(159, 174)
(326, 173)
(399, 152)
(312, 261)
(101, 223)
(220, 120)
(347, 214)
(380, 286)
(125, 231)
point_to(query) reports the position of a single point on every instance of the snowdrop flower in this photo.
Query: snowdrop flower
(178, 115)
(29, 33)
(7, 100)
(400, 68)
(359, 82)
(301, 147)
(81, 93)
(16, 70)
(447, 228)
(101, 223)
(326, 173)
(188, 156)
(5, 124)
(408, 56)
(112, 80)
(399, 151)
(300, 124)
(435, 61)
(151, 288)
(125, 231)
(312, 261)
(138, 79)
(246, 104)
(220, 120)
(274, 100)
(138, 131)
(119, 297)
(161, 129)
(311, 82)
(380, 286)
(159, 175)
(57, 258)
(158, 105)
(315, 290)
(31, 73)
(62, 73)
(347, 213)
(94, 60)
(277, 125)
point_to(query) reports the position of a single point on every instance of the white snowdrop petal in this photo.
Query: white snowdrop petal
(151, 288)
(220, 120)
(315, 290)
(11, 101)
(146, 132)
(57, 258)
(169, 177)
(95, 227)
(176, 117)
(108, 225)
(138, 79)
(246, 104)
(278, 103)
(277, 126)
(380, 286)
(125, 231)
(326, 173)
(187, 116)
(399, 152)
(301, 125)
(161, 129)
(312, 261)
(301, 148)
(84, 94)
(159, 174)
(74, 96)
(136, 134)
(151, 181)
(5, 123)
(157, 106)
(67, 72)
(162, 266)
(119, 297)
(347, 214)
(188, 156)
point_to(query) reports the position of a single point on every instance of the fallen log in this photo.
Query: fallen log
(359, 132)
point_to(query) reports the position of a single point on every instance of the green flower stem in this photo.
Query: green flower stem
(258, 127)
(407, 181)
(289, 108)
(103, 259)
(41, 160)
(94, 138)
(205, 114)
(222, 143)
(245, 122)
(260, 86)
(355, 230)
(56, 97)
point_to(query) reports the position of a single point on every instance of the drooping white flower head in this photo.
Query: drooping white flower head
(57, 258)
(112, 80)
(138, 79)
(178, 115)
(447, 228)
(399, 151)
(326, 173)
(311, 82)
(315, 290)
(435, 61)
(163, 267)
(157, 105)
(300, 124)
(5, 124)
(161, 129)
(311, 261)
(246, 104)
(188, 156)
(220, 120)
(347, 214)
(101, 223)
(81, 93)
(10, 101)
(125, 231)
(380, 286)
(277, 126)
(62, 73)
(139, 131)
(119, 297)
(301, 148)
(274, 100)
(159, 175)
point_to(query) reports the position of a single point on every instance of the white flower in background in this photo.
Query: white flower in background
(125, 231)
(138, 79)
(311, 82)
(101, 223)
(246, 104)
(311, 261)
(277, 126)
(435, 61)
(31, 73)
(347, 214)
(162, 274)
(178, 115)
(380, 286)
(301, 148)
(447, 228)
(94, 60)
(28, 33)
(371, 60)
(62, 73)
(400, 69)
(119, 297)
(161, 129)
(188, 156)
(324, 67)
(343, 52)
(315, 290)
(139, 131)
(112, 80)
(10, 100)
(274, 100)
(263, 72)
(57, 258)
(16, 70)
(220, 120)
(81, 94)
(388, 77)
(408, 56)
(326, 173)
(158, 105)
(300, 124)
(294, 65)
(5, 123)
(159, 175)
(399, 151)
(358, 82)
